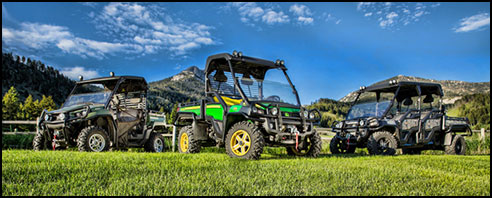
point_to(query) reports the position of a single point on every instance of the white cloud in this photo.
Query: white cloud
(361, 5)
(272, 17)
(474, 22)
(329, 17)
(35, 36)
(303, 14)
(393, 15)
(136, 29)
(305, 20)
(300, 10)
(152, 29)
(250, 13)
(389, 20)
(75, 72)
(89, 4)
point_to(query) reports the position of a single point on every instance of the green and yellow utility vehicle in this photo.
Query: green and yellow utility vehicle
(103, 113)
(250, 103)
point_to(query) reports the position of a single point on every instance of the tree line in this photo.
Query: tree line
(14, 109)
(331, 110)
(32, 77)
(476, 107)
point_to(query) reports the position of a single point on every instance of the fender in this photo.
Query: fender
(185, 115)
(231, 118)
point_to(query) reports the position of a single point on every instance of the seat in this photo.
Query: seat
(129, 115)
(220, 76)
(229, 101)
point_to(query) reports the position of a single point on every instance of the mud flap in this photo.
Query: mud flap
(448, 139)
(200, 130)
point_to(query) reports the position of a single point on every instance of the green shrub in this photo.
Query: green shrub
(17, 141)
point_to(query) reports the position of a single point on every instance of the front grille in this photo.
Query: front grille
(290, 114)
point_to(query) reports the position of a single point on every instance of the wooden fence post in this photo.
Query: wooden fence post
(174, 138)
(482, 133)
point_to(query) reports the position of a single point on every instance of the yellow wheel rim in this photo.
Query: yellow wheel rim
(240, 142)
(302, 152)
(183, 142)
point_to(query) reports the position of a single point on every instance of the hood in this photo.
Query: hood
(280, 104)
(73, 108)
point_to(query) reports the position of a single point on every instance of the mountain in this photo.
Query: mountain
(35, 78)
(453, 89)
(188, 85)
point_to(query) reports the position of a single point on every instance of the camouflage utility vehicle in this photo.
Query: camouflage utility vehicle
(244, 112)
(406, 115)
(102, 113)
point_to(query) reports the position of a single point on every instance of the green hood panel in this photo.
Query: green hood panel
(214, 110)
(97, 113)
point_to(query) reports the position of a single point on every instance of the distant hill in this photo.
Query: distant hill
(35, 78)
(476, 107)
(188, 85)
(453, 89)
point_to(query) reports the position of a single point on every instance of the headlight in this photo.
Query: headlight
(361, 123)
(339, 125)
(81, 114)
(373, 122)
(254, 109)
(306, 113)
(61, 116)
(84, 113)
(311, 115)
(274, 111)
(47, 117)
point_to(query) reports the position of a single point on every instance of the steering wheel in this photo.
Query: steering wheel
(273, 98)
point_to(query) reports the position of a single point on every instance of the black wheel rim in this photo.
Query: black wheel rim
(383, 145)
(458, 147)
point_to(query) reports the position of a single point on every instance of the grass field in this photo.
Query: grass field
(212, 172)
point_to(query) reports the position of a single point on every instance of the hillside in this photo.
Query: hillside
(35, 78)
(331, 110)
(184, 86)
(475, 107)
(453, 89)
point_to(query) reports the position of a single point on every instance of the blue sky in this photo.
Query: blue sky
(330, 49)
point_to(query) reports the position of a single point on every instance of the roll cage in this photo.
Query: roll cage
(117, 84)
(238, 64)
(403, 90)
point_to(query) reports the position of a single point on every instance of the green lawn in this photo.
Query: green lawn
(212, 172)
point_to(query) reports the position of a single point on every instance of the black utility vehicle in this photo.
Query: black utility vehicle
(244, 111)
(102, 113)
(406, 115)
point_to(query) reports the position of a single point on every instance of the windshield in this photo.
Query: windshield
(367, 105)
(275, 89)
(91, 93)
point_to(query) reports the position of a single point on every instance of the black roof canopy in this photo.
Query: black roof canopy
(244, 64)
(407, 89)
(111, 78)
(131, 83)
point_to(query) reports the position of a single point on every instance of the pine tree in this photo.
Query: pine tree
(171, 116)
(10, 104)
(47, 103)
(30, 109)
